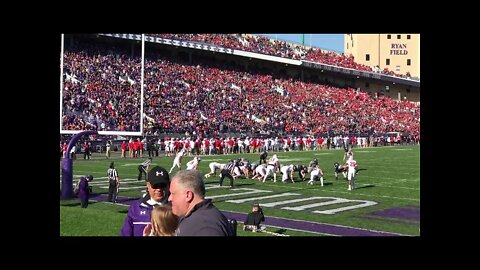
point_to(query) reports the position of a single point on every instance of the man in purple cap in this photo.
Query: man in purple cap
(158, 183)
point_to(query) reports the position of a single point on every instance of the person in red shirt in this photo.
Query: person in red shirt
(124, 148)
(135, 148)
(319, 143)
(86, 148)
(140, 148)
(64, 149)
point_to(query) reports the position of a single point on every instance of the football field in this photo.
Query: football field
(386, 201)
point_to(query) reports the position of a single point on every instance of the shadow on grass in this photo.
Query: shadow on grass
(76, 204)
(280, 231)
(365, 186)
(361, 170)
(227, 182)
(243, 184)
(125, 200)
(317, 184)
(71, 204)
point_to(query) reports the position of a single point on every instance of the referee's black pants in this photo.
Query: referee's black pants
(141, 170)
(226, 173)
(112, 190)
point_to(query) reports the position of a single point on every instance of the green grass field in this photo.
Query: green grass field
(388, 186)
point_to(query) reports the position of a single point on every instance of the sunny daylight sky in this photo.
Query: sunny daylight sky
(330, 42)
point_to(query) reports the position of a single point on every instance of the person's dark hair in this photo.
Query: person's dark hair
(259, 209)
(112, 165)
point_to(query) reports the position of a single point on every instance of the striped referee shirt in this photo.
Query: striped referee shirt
(146, 163)
(229, 166)
(112, 174)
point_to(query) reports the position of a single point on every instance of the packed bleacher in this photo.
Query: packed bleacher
(210, 96)
(265, 45)
(102, 92)
(101, 89)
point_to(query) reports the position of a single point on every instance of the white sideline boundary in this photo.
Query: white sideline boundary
(323, 223)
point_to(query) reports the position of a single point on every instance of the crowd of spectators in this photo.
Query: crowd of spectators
(265, 45)
(101, 89)
(102, 92)
(206, 97)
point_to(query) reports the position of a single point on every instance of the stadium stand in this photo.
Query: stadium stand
(203, 95)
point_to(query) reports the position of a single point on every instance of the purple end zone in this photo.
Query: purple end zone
(401, 213)
(385, 220)
(281, 222)
(310, 226)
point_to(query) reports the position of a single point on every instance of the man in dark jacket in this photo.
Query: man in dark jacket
(198, 216)
(254, 219)
(83, 191)
(139, 211)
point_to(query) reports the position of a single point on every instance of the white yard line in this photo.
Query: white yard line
(290, 186)
(270, 226)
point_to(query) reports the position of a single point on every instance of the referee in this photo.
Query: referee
(227, 172)
(263, 157)
(113, 183)
(143, 168)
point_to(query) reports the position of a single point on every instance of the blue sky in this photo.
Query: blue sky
(331, 42)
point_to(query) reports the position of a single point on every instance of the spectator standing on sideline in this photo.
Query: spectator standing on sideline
(86, 148)
(113, 183)
(83, 190)
(139, 212)
(107, 152)
(124, 148)
(143, 168)
(198, 216)
(73, 154)
(163, 222)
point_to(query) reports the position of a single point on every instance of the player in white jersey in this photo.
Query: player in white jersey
(260, 172)
(348, 154)
(287, 173)
(237, 170)
(272, 167)
(193, 164)
(316, 173)
(214, 166)
(352, 164)
(177, 161)
(167, 147)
